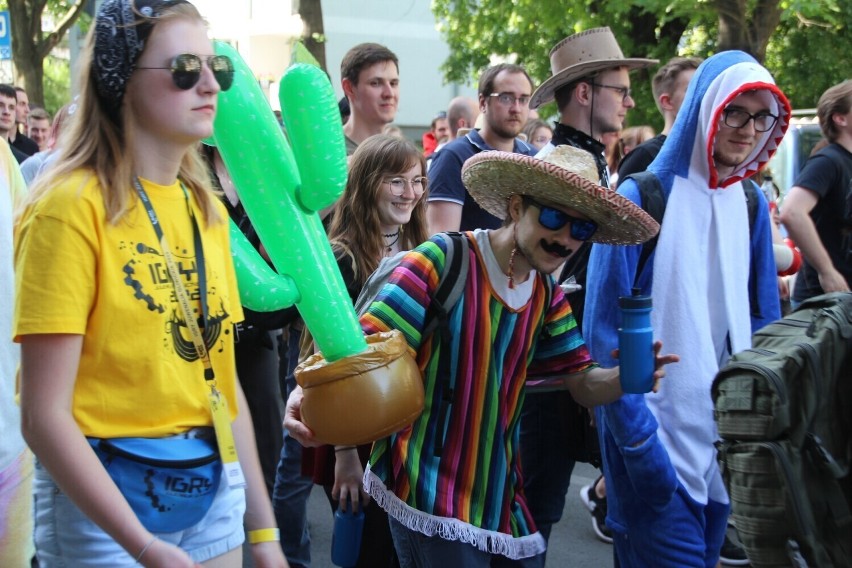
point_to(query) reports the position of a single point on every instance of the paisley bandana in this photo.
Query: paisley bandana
(121, 28)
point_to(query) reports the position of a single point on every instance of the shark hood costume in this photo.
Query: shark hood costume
(715, 284)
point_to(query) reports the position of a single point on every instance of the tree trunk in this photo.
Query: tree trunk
(25, 54)
(749, 33)
(29, 44)
(313, 36)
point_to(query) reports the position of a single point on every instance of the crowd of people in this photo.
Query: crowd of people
(118, 288)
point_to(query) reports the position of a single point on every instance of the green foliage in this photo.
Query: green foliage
(810, 51)
(805, 58)
(57, 83)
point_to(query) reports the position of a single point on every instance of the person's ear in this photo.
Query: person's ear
(348, 88)
(515, 207)
(583, 93)
(666, 101)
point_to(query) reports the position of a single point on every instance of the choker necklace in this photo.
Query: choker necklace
(394, 236)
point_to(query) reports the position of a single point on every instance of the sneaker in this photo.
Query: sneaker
(597, 507)
(732, 553)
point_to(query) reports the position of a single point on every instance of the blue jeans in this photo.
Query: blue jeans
(417, 550)
(292, 489)
(544, 462)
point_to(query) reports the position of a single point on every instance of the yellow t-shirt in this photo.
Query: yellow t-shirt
(77, 273)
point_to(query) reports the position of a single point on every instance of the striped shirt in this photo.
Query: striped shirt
(455, 471)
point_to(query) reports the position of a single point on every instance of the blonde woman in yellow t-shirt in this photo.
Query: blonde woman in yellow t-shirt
(121, 249)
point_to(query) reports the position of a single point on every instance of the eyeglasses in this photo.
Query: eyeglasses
(554, 219)
(508, 99)
(738, 118)
(397, 185)
(186, 70)
(623, 91)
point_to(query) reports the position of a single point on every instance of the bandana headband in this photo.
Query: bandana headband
(121, 28)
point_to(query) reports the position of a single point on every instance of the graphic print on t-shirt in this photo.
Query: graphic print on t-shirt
(147, 275)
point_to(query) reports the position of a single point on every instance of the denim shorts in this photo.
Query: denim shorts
(65, 537)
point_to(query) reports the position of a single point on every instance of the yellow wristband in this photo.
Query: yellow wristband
(264, 535)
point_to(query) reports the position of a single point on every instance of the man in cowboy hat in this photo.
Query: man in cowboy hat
(450, 482)
(712, 279)
(590, 82)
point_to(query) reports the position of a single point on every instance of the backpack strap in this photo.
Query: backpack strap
(653, 201)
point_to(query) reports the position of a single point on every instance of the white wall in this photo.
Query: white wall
(406, 27)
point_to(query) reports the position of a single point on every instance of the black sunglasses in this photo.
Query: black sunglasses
(186, 70)
(554, 219)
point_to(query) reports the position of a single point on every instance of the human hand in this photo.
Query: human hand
(161, 554)
(660, 361)
(268, 555)
(293, 420)
(783, 288)
(349, 479)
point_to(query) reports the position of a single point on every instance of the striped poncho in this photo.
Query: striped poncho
(455, 472)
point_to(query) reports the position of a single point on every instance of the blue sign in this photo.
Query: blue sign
(5, 36)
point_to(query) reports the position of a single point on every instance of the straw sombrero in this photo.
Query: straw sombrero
(581, 55)
(564, 177)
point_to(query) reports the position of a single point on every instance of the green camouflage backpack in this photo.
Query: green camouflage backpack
(784, 409)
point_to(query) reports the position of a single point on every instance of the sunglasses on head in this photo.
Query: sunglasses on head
(554, 219)
(186, 70)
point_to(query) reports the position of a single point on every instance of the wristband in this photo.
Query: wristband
(145, 549)
(264, 535)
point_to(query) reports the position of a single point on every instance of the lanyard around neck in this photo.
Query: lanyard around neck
(174, 275)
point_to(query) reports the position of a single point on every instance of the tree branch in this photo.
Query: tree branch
(46, 44)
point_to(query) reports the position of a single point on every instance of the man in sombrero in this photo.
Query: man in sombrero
(451, 482)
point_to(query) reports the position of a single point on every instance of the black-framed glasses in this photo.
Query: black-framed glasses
(397, 185)
(623, 91)
(738, 118)
(554, 219)
(508, 99)
(186, 70)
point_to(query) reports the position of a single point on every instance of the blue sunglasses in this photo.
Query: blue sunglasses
(554, 219)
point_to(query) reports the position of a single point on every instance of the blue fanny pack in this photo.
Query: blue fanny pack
(170, 483)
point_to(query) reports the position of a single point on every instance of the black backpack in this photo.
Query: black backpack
(653, 201)
(784, 410)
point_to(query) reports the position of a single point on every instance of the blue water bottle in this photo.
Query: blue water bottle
(346, 539)
(636, 343)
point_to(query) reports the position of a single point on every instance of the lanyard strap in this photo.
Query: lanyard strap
(174, 276)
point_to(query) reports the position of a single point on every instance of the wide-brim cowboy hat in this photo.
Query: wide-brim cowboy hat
(565, 178)
(581, 55)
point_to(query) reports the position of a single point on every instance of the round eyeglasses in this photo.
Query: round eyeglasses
(397, 185)
(738, 118)
(186, 70)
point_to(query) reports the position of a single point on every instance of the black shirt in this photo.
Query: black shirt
(828, 173)
(641, 156)
(578, 263)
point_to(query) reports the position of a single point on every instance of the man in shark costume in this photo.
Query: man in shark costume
(715, 285)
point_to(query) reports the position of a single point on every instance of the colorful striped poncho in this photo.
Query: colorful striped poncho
(455, 472)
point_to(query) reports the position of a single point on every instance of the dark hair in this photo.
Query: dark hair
(362, 56)
(8, 91)
(489, 76)
(836, 100)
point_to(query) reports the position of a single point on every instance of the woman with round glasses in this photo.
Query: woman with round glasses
(126, 303)
(382, 211)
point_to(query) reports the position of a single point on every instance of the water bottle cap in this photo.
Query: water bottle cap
(635, 302)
